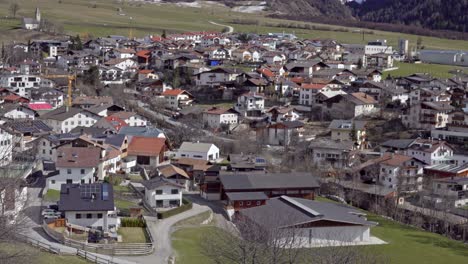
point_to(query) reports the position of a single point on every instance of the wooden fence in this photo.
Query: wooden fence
(107, 249)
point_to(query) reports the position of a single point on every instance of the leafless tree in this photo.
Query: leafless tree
(14, 8)
(13, 199)
(273, 240)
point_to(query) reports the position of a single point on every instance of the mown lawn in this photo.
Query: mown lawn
(33, 255)
(124, 204)
(194, 220)
(140, 18)
(187, 243)
(406, 245)
(133, 235)
(436, 70)
(410, 245)
(52, 196)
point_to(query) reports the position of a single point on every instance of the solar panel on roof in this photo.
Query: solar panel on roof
(87, 191)
(259, 160)
(105, 192)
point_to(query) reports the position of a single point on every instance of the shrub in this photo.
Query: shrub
(186, 205)
(133, 222)
(124, 212)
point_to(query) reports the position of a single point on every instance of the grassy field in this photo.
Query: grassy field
(123, 204)
(80, 16)
(52, 196)
(133, 235)
(436, 70)
(33, 255)
(194, 220)
(406, 245)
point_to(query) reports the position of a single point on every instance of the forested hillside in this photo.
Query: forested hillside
(433, 14)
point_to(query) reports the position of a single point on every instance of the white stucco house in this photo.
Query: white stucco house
(64, 119)
(197, 150)
(163, 193)
(216, 117)
(75, 165)
(177, 98)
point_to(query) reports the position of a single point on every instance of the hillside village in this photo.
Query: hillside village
(111, 133)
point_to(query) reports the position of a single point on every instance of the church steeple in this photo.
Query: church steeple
(38, 14)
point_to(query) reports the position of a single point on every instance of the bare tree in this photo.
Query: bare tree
(14, 8)
(13, 199)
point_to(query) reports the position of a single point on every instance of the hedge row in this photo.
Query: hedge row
(186, 205)
(132, 222)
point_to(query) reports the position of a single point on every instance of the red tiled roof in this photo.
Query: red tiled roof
(146, 71)
(116, 122)
(312, 86)
(146, 146)
(173, 92)
(266, 72)
(40, 106)
(144, 53)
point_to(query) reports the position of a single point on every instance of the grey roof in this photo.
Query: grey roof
(347, 124)
(140, 131)
(195, 146)
(76, 197)
(454, 180)
(243, 196)
(300, 211)
(156, 182)
(332, 144)
(448, 167)
(115, 140)
(28, 126)
(250, 181)
(64, 113)
(94, 131)
(398, 143)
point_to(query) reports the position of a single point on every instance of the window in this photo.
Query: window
(43, 151)
(259, 202)
(241, 203)
(78, 216)
(82, 171)
(82, 181)
(68, 171)
(43, 143)
(69, 181)
(52, 181)
(99, 216)
(248, 203)
(89, 216)
(438, 186)
(174, 191)
(159, 192)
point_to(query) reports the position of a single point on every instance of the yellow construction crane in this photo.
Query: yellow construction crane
(71, 78)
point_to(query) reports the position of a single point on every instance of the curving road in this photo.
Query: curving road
(230, 29)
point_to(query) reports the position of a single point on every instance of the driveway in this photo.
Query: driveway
(161, 231)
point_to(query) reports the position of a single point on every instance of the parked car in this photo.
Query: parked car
(48, 211)
(51, 216)
(53, 207)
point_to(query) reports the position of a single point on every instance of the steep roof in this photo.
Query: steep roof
(195, 146)
(158, 182)
(63, 113)
(86, 197)
(146, 146)
(78, 157)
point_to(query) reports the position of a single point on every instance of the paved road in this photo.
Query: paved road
(230, 29)
(161, 232)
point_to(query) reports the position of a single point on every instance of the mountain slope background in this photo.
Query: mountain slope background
(429, 14)
(432, 14)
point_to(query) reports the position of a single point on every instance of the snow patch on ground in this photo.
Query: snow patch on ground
(248, 9)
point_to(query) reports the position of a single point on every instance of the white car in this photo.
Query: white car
(48, 211)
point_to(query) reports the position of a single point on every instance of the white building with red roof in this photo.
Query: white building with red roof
(177, 98)
(216, 117)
